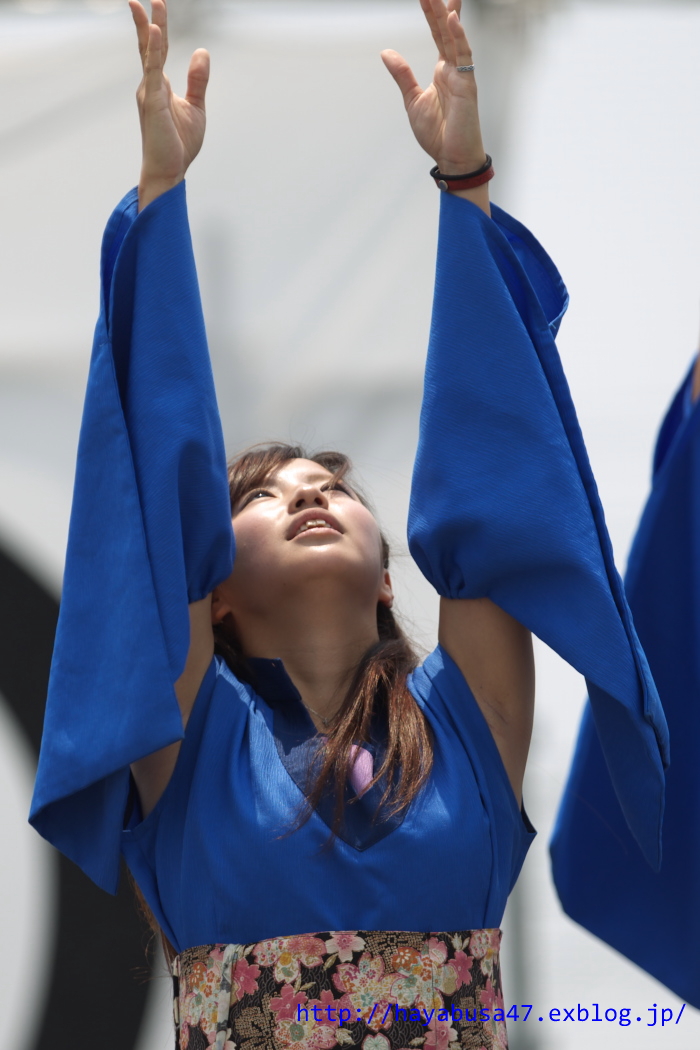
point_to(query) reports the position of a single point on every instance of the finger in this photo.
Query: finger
(460, 44)
(432, 22)
(141, 21)
(456, 6)
(159, 17)
(402, 74)
(153, 61)
(440, 15)
(198, 78)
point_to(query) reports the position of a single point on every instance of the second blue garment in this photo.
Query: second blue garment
(652, 917)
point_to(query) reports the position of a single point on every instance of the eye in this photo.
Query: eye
(338, 486)
(253, 495)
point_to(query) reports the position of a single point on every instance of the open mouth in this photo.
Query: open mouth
(315, 523)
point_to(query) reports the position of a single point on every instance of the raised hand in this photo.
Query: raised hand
(172, 128)
(444, 117)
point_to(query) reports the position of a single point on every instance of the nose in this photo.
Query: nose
(307, 495)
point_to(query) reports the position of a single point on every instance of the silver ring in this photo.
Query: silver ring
(465, 69)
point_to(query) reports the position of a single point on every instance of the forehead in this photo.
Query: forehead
(300, 470)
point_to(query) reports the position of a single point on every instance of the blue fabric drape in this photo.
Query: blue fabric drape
(651, 917)
(504, 504)
(150, 477)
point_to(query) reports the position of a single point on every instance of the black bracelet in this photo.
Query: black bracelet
(437, 174)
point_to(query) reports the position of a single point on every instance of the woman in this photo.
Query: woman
(308, 777)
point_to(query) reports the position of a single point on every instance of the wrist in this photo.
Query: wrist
(451, 167)
(470, 180)
(150, 188)
(471, 185)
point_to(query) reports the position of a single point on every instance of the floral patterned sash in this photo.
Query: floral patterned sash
(397, 991)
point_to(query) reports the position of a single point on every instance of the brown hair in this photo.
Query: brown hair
(378, 688)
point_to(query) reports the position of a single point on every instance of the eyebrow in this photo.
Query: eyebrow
(320, 477)
(326, 476)
(330, 477)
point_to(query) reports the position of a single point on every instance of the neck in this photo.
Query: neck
(320, 648)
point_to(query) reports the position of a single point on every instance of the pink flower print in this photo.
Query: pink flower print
(245, 978)
(285, 1005)
(266, 952)
(437, 950)
(327, 999)
(484, 942)
(309, 950)
(275, 953)
(490, 999)
(365, 985)
(369, 972)
(412, 985)
(286, 954)
(344, 943)
(462, 965)
(439, 1034)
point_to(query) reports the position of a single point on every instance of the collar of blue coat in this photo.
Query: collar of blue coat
(298, 743)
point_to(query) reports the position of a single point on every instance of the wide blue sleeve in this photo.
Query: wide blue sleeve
(150, 532)
(504, 504)
(599, 876)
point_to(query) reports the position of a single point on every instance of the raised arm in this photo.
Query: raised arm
(150, 534)
(492, 650)
(505, 519)
(172, 133)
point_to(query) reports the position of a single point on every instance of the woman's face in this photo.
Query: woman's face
(302, 532)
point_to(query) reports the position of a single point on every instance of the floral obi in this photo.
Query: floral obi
(374, 990)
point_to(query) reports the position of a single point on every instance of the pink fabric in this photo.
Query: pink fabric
(362, 768)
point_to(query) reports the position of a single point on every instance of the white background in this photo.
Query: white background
(314, 224)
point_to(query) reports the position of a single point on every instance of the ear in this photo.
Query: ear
(386, 591)
(220, 608)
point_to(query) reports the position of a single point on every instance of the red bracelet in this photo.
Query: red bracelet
(464, 182)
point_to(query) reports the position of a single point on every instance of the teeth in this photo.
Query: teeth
(315, 523)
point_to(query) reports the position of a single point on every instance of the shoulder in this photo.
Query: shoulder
(442, 692)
